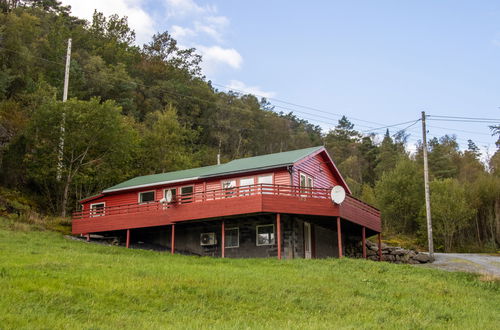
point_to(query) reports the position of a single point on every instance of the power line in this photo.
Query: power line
(316, 115)
(458, 130)
(466, 121)
(297, 105)
(370, 128)
(413, 124)
(456, 117)
(389, 126)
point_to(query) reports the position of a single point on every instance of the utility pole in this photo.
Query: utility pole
(218, 154)
(63, 122)
(427, 192)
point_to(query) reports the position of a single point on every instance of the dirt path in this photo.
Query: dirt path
(467, 262)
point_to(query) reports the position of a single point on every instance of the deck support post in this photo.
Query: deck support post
(172, 240)
(379, 246)
(363, 238)
(339, 237)
(127, 242)
(223, 239)
(278, 233)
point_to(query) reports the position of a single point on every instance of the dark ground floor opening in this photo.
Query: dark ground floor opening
(252, 236)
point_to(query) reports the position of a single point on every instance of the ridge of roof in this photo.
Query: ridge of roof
(235, 166)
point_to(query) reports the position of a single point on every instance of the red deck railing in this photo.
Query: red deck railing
(221, 194)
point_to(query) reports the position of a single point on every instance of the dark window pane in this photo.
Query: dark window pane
(187, 190)
(97, 209)
(265, 235)
(232, 237)
(187, 194)
(148, 196)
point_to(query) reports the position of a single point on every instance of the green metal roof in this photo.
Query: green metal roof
(234, 166)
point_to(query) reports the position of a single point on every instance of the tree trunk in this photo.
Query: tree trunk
(65, 196)
(478, 233)
(497, 221)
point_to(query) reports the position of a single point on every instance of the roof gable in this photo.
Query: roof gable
(235, 166)
(331, 166)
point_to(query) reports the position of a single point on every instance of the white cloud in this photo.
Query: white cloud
(180, 33)
(191, 24)
(239, 86)
(139, 20)
(201, 27)
(221, 21)
(215, 56)
(208, 30)
(183, 8)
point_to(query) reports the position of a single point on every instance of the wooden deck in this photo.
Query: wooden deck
(260, 198)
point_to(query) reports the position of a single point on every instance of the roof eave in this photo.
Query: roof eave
(256, 169)
(149, 185)
(90, 198)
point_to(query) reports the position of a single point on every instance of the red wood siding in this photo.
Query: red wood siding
(284, 202)
(282, 177)
(215, 204)
(132, 197)
(317, 168)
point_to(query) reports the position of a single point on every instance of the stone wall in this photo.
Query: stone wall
(393, 254)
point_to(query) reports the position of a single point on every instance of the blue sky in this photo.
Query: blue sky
(377, 61)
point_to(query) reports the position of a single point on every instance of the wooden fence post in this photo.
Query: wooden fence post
(339, 237)
(363, 233)
(172, 240)
(278, 233)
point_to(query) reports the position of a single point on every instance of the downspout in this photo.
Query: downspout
(290, 170)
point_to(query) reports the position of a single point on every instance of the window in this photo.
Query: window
(174, 193)
(97, 209)
(187, 194)
(266, 181)
(306, 181)
(147, 196)
(232, 238)
(245, 184)
(265, 235)
(228, 186)
(246, 181)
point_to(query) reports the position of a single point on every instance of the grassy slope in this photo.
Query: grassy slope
(49, 281)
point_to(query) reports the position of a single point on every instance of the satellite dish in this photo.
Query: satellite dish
(337, 194)
(168, 196)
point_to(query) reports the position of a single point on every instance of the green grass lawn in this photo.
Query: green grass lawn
(47, 281)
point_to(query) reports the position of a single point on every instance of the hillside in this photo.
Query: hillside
(48, 281)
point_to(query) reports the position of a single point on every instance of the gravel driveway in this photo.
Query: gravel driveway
(467, 262)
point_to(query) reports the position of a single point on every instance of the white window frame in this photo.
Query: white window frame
(265, 176)
(92, 214)
(238, 240)
(174, 196)
(229, 192)
(248, 188)
(143, 192)
(306, 176)
(265, 189)
(257, 235)
(248, 178)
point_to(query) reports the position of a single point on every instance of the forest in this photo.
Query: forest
(136, 110)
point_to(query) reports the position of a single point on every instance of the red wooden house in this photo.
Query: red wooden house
(273, 205)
